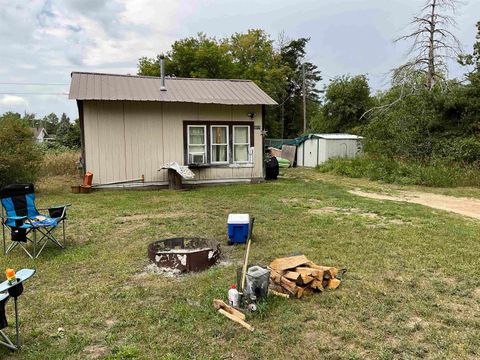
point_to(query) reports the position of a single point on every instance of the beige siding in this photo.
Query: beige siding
(104, 140)
(143, 140)
(125, 139)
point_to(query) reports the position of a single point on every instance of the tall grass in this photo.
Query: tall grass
(435, 173)
(60, 163)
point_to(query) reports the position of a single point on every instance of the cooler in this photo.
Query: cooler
(238, 228)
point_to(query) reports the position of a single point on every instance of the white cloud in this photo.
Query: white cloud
(42, 41)
(13, 100)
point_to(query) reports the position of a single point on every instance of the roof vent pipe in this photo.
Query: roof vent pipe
(162, 73)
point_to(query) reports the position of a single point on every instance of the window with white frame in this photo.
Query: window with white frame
(219, 144)
(241, 143)
(197, 144)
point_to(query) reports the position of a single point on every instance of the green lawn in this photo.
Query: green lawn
(412, 289)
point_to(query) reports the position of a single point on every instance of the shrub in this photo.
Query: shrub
(19, 155)
(433, 173)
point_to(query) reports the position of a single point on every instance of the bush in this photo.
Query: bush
(19, 155)
(434, 173)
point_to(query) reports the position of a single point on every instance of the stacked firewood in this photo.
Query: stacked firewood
(297, 276)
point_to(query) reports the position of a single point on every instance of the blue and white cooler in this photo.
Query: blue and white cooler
(238, 228)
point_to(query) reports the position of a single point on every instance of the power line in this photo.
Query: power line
(27, 83)
(31, 93)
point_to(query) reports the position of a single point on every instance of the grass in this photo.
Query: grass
(436, 174)
(60, 163)
(412, 289)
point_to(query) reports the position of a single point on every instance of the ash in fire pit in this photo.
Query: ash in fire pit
(184, 254)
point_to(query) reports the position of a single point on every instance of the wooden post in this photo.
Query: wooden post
(174, 180)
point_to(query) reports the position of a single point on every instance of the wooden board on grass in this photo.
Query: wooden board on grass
(219, 304)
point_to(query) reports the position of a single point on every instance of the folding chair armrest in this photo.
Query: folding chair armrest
(55, 207)
(14, 217)
(53, 211)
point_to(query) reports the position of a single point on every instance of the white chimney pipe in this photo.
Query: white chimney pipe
(162, 74)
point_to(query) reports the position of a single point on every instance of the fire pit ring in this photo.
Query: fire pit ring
(184, 254)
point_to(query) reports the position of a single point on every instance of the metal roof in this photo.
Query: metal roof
(97, 86)
(331, 136)
(338, 136)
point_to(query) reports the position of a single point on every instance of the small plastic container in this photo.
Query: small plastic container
(238, 228)
(233, 296)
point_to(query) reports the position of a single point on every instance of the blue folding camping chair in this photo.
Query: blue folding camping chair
(25, 224)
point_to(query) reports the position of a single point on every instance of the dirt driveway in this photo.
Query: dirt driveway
(464, 206)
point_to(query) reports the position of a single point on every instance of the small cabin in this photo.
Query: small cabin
(132, 125)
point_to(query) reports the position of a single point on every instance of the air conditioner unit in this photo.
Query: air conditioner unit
(197, 158)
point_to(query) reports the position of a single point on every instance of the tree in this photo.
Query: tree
(249, 55)
(63, 127)
(474, 58)
(11, 115)
(50, 123)
(30, 119)
(19, 157)
(293, 55)
(199, 56)
(72, 137)
(346, 100)
(433, 42)
(255, 58)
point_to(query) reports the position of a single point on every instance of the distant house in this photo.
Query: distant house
(132, 125)
(39, 134)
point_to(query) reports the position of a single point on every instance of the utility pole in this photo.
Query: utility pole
(304, 99)
(283, 119)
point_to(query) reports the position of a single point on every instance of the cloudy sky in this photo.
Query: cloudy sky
(42, 41)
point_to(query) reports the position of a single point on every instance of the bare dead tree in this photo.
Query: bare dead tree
(433, 42)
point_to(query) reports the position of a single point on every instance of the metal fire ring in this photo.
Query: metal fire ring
(184, 254)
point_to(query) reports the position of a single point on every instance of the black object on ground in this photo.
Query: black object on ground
(272, 169)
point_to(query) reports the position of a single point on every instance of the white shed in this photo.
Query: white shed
(315, 149)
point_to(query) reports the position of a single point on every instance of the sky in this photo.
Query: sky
(43, 41)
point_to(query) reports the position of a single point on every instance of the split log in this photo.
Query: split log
(317, 284)
(277, 288)
(296, 275)
(219, 304)
(291, 275)
(305, 280)
(303, 291)
(288, 285)
(333, 283)
(236, 319)
(290, 262)
(316, 273)
(331, 270)
(276, 293)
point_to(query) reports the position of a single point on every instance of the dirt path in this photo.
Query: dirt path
(464, 206)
